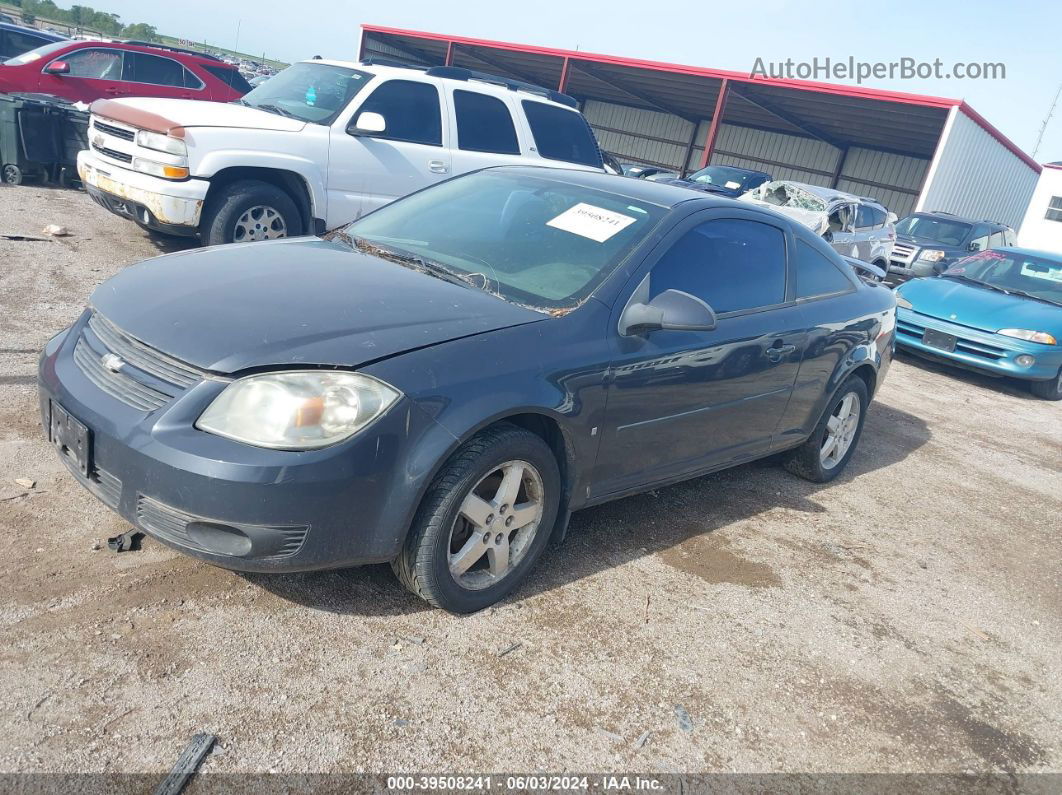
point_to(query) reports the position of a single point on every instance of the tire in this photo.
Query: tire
(807, 461)
(440, 528)
(1048, 390)
(12, 174)
(235, 206)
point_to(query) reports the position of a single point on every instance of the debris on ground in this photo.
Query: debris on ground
(19, 237)
(128, 541)
(685, 722)
(190, 759)
(510, 649)
(25, 483)
(643, 738)
(54, 230)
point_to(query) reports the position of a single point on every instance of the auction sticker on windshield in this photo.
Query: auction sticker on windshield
(595, 223)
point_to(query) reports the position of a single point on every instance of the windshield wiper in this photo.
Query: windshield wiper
(274, 109)
(430, 267)
(1024, 294)
(978, 282)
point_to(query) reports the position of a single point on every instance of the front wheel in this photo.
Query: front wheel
(1048, 390)
(484, 522)
(12, 174)
(249, 210)
(827, 451)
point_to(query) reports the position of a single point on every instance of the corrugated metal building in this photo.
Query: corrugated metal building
(910, 152)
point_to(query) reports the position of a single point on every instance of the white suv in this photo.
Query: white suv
(318, 145)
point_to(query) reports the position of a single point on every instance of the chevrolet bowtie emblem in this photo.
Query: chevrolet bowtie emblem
(112, 362)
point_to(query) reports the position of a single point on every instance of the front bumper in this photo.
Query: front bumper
(978, 350)
(167, 205)
(230, 504)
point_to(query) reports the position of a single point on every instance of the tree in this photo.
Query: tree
(141, 31)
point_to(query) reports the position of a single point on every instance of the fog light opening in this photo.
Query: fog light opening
(1025, 360)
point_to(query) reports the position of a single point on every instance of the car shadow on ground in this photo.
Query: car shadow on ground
(1013, 387)
(168, 244)
(619, 532)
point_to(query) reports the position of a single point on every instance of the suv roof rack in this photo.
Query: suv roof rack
(375, 60)
(172, 48)
(461, 73)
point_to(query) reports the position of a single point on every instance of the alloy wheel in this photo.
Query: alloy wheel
(259, 223)
(840, 431)
(496, 525)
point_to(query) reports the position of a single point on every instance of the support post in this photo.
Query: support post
(689, 151)
(449, 54)
(839, 171)
(717, 118)
(562, 84)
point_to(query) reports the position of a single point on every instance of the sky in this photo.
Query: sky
(1024, 36)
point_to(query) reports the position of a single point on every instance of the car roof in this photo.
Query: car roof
(739, 168)
(1054, 256)
(35, 31)
(177, 55)
(959, 218)
(659, 193)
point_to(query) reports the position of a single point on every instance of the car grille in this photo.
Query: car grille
(171, 524)
(106, 487)
(974, 347)
(146, 380)
(903, 252)
(114, 154)
(117, 132)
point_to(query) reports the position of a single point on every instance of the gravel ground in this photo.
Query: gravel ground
(903, 618)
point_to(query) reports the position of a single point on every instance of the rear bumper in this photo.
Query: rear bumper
(230, 504)
(979, 350)
(167, 205)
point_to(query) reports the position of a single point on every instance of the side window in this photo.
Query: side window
(143, 68)
(731, 264)
(410, 110)
(840, 220)
(561, 134)
(980, 238)
(816, 274)
(230, 77)
(484, 124)
(16, 42)
(1054, 209)
(880, 216)
(97, 64)
(866, 218)
(997, 239)
(1008, 237)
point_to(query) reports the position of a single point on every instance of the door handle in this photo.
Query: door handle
(437, 167)
(777, 352)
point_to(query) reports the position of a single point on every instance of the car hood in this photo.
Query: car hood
(980, 307)
(154, 113)
(292, 302)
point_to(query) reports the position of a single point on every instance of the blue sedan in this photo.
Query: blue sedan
(997, 312)
(442, 383)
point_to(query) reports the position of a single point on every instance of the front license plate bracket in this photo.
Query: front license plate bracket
(939, 340)
(71, 438)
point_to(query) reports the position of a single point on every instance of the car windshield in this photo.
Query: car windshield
(789, 194)
(936, 230)
(1020, 274)
(313, 92)
(33, 55)
(723, 176)
(531, 240)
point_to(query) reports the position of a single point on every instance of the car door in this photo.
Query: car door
(368, 169)
(93, 73)
(865, 232)
(156, 76)
(482, 131)
(680, 402)
(842, 229)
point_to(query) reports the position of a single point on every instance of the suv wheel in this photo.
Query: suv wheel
(827, 451)
(1048, 390)
(484, 522)
(249, 210)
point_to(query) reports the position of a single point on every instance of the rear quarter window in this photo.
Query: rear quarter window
(230, 77)
(561, 134)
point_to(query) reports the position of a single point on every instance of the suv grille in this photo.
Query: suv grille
(117, 132)
(144, 378)
(114, 154)
(903, 252)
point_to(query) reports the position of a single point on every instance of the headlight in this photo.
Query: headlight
(931, 255)
(161, 143)
(297, 410)
(901, 301)
(1028, 336)
(164, 170)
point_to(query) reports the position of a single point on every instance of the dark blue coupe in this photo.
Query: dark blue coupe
(444, 381)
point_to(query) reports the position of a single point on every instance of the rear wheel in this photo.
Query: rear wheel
(1048, 390)
(249, 210)
(12, 174)
(827, 451)
(484, 522)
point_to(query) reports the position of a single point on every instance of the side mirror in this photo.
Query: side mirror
(368, 123)
(975, 246)
(673, 310)
(57, 68)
